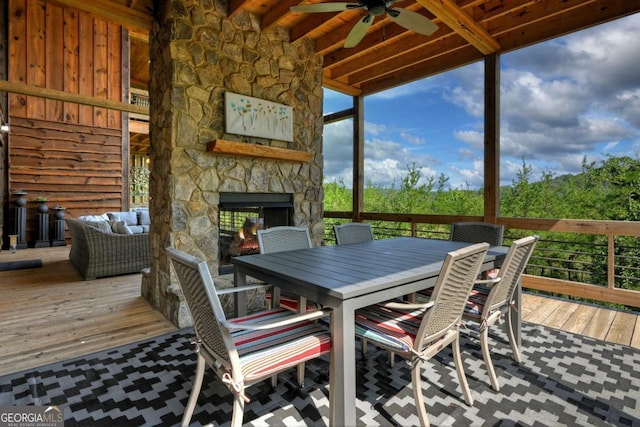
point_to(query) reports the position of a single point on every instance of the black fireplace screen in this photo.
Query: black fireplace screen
(243, 214)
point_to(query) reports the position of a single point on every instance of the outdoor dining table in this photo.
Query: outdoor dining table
(345, 278)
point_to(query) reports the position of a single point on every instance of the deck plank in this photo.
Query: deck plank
(621, 330)
(561, 315)
(578, 320)
(599, 325)
(543, 310)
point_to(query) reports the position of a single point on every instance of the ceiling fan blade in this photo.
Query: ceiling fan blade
(324, 7)
(412, 21)
(358, 31)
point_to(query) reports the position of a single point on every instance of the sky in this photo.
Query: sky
(561, 101)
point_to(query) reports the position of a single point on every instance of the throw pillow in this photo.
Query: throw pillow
(123, 228)
(120, 227)
(130, 218)
(102, 226)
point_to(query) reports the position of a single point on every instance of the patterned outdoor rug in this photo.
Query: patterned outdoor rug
(564, 380)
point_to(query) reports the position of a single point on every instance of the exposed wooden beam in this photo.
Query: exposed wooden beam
(428, 67)
(136, 126)
(138, 23)
(458, 20)
(59, 95)
(340, 87)
(276, 13)
(235, 6)
(397, 58)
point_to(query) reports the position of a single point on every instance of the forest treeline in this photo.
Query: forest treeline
(606, 191)
(610, 191)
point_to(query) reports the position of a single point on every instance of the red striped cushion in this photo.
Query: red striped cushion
(266, 352)
(476, 301)
(394, 329)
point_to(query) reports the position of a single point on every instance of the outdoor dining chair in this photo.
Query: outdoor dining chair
(477, 232)
(279, 239)
(352, 232)
(418, 331)
(490, 299)
(243, 351)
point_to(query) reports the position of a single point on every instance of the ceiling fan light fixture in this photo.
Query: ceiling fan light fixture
(406, 18)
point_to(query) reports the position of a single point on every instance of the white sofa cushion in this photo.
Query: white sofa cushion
(130, 218)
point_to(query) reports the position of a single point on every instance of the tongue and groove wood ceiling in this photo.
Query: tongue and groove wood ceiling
(389, 55)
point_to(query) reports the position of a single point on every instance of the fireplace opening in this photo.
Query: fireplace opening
(241, 215)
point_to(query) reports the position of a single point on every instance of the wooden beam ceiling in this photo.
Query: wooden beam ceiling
(389, 55)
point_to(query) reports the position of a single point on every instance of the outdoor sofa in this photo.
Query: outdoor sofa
(97, 251)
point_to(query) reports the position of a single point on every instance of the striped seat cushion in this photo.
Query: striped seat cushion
(266, 352)
(392, 329)
(475, 303)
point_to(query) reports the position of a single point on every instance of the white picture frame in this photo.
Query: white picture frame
(245, 115)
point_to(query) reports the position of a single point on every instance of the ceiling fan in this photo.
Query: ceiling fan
(408, 19)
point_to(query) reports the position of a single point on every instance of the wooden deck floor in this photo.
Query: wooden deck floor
(50, 314)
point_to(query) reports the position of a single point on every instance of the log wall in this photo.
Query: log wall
(74, 155)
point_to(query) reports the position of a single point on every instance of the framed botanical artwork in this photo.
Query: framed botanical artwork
(245, 115)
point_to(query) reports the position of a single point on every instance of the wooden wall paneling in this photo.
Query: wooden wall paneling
(79, 167)
(17, 55)
(114, 73)
(54, 59)
(100, 77)
(71, 63)
(36, 60)
(85, 59)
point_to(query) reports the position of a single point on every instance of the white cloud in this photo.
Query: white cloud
(374, 128)
(412, 139)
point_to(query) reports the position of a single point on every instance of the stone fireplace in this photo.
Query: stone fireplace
(241, 215)
(198, 52)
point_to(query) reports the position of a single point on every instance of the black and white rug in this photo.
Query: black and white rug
(564, 380)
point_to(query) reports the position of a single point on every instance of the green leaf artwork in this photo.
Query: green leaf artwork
(250, 116)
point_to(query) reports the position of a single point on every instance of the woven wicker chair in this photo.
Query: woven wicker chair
(477, 232)
(229, 347)
(95, 253)
(352, 232)
(490, 299)
(419, 331)
(279, 239)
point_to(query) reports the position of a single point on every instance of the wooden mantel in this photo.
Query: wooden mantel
(244, 149)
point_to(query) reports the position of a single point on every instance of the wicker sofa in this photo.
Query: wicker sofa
(95, 253)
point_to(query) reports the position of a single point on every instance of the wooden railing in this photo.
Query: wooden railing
(585, 259)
